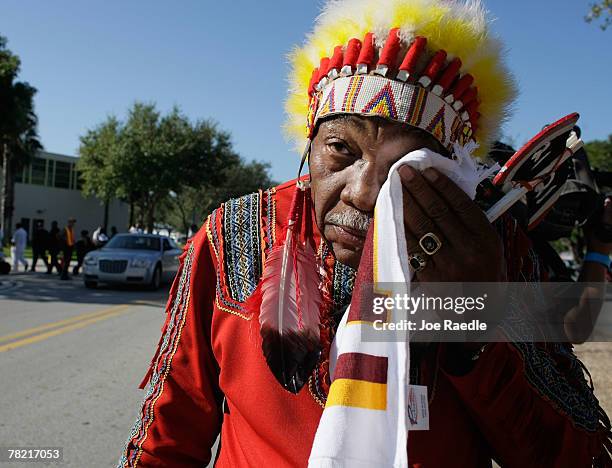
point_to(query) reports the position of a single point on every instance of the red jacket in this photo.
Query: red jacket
(209, 376)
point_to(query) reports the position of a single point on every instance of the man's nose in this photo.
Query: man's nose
(361, 190)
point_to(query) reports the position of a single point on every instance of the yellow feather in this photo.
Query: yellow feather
(456, 26)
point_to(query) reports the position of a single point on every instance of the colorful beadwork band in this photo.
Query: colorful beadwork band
(403, 102)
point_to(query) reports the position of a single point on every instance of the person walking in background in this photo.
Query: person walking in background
(67, 243)
(40, 244)
(54, 247)
(19, 241)
(96, 234)
(82, 246)
(99, 237)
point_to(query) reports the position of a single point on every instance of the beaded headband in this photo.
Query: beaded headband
(435, 99)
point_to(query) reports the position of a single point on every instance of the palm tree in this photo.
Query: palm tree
(19, 140)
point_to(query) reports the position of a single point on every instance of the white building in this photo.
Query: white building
(49, 190)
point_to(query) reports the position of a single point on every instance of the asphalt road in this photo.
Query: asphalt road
(71, 360)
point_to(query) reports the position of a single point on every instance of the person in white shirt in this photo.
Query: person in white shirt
(99, 237)
(19, 241)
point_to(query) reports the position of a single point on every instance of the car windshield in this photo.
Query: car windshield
(133, 243)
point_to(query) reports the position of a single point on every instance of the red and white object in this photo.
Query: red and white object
(533, 168)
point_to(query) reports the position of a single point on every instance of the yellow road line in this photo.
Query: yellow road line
(108, 313)
(149, 303)
(47, 326)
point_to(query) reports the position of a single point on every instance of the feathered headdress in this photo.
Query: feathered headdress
(428, 63)
(432, 64)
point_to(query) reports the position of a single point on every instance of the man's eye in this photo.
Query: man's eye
(339, 147)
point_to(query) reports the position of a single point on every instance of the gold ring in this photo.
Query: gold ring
(430, 243)
(417, 262)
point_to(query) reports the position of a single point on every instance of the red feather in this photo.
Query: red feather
(288, 300)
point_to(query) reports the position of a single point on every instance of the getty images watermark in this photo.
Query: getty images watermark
(484, 312)
(411, 304)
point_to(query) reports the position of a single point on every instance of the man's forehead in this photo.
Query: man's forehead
(373, 126)
(360, 122)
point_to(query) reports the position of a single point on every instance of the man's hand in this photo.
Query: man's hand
(580, 319)
(471, 249)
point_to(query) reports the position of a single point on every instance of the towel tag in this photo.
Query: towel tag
(418, 408)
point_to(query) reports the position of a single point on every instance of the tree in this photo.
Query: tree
(18, 134)
(237, 180)
(602, 10)
(600, 153)
(99, 150)
(193, 204)
(150, 157)
(169, 154)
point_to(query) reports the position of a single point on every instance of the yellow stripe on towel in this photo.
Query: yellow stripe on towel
(358, 393)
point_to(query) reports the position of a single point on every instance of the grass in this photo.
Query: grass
(28, 252)
(7, 251)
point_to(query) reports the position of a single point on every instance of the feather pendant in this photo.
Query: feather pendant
(288, 300)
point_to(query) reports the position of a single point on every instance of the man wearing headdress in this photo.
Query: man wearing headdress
(374, 82)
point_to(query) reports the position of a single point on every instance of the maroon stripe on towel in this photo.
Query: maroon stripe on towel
(359, 366)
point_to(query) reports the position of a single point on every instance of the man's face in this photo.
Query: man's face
(349, 161)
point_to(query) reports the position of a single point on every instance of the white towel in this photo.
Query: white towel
(360, 427)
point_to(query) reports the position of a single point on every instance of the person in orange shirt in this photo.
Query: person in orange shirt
(67, 237)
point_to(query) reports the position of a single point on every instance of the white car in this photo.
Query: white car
(146, 259)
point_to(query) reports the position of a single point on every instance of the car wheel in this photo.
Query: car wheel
(156, 279)
(91, 284)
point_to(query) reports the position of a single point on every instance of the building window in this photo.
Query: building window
(62, 174)
(50, 172)
(39, 167)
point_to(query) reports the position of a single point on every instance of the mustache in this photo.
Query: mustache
(352, 219)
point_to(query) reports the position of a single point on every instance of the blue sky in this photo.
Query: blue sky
(226, 60)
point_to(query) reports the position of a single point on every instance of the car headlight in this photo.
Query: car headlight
(90, 261)
(140, 263)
